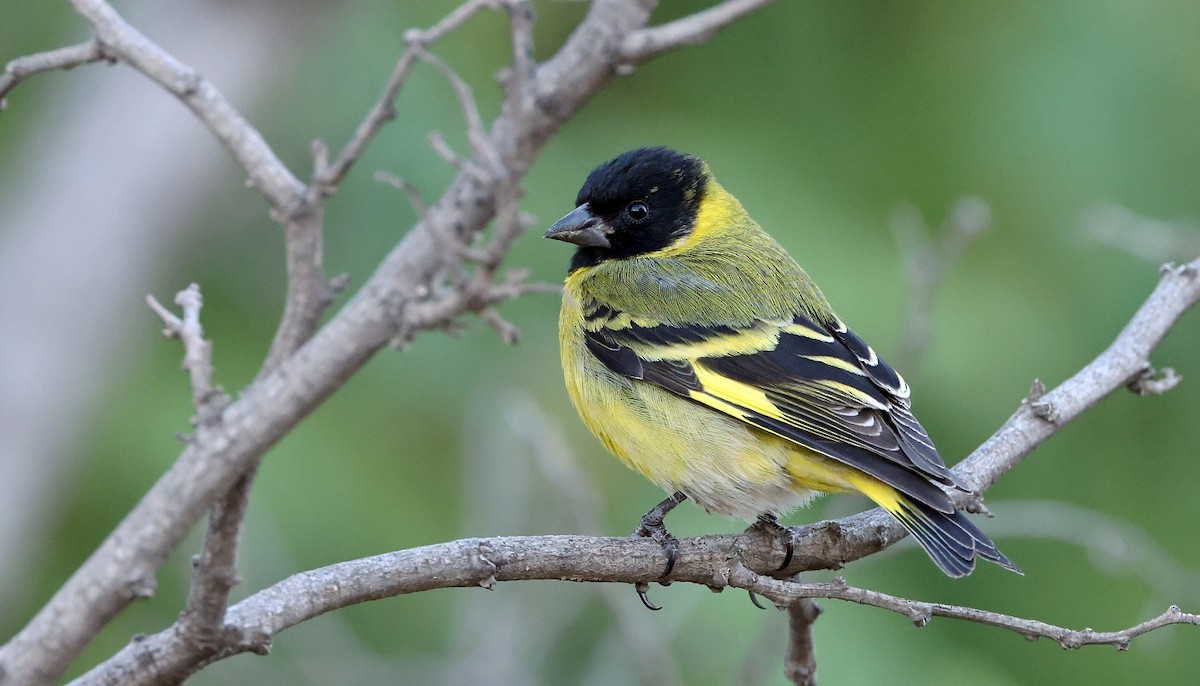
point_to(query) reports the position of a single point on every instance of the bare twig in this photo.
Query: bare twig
(476, 134)
(384, 109)
(694, 29)
(927, 261)
(125, 43)
(516, 79)
(800, 665)
(214, 570)
(400, 183)
(62, 58)
(197, 358)
(786, 592)
(1125, 358)
(1147, 238)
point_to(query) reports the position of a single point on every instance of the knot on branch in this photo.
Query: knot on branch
(254, 641)
(187, 83)
(1149, 381)
(1042, 409)
(142, 586)
(486, 568)
(920, 614)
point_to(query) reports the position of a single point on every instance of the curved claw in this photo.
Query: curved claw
(754, 599)
(770, 523)
(643, 594)
(651, 526)
(670, 546)
(791, 551)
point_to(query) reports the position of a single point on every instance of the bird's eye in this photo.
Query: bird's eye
(637, 211)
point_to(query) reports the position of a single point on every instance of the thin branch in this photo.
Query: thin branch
(1147, 238)
(785, 593)
(253, 623)
(476, 134)
(326, 180)
(214, 570)
(69, 57)
(1125, 359)
(208, 400)
(927, 261)
(800, 665)
(693, 29)
(516, 79)
(122, 41)
(309, 291)
(420, 207)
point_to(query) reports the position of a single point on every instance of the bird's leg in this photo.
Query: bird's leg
(652, 526)
(769, 522)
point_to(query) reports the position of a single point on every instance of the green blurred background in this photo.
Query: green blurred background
(822, 118)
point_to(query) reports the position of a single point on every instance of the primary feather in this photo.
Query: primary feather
(703, 356)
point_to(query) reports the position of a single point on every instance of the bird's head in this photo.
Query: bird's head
(640, 202)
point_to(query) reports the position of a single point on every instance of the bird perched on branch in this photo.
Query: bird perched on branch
(705, 358)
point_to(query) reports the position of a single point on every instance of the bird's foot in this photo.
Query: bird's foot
(769, 523)
(652, 526)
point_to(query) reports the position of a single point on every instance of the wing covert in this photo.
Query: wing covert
(823, 388)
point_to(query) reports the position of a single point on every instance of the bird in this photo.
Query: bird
(704, 357)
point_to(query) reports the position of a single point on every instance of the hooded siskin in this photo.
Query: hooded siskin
(705, 358)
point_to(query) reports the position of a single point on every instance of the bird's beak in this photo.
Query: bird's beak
(582, 228)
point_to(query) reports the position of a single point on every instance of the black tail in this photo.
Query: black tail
(950, 539)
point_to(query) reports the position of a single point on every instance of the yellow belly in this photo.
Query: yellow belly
(725, 465)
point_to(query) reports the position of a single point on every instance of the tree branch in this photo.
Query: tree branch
(327, 178)
(123, 42)
(785, 593)
(1125, 359)
(252, 624)
(800, 665)
(72, 56)
(197, 359)
(694, 29)
(215, 568)
(927, 261)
